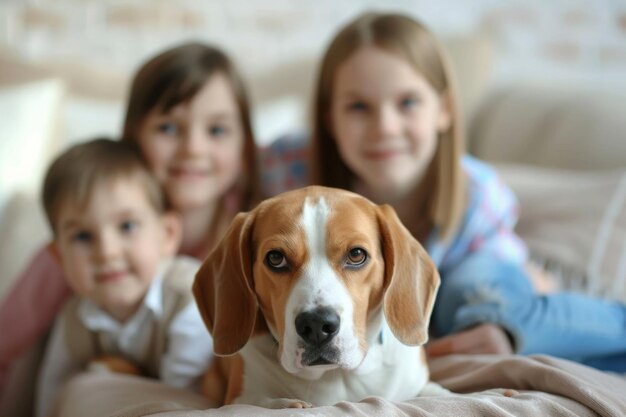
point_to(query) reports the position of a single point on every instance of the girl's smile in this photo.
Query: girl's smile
(383, 154)
(189, 173)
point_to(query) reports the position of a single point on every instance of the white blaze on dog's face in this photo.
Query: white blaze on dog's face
(318, 276)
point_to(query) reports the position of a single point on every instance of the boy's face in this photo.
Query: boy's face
(111, 249)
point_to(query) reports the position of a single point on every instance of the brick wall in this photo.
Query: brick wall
(577, 39)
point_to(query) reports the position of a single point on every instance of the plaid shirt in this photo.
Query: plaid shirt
(487, 226)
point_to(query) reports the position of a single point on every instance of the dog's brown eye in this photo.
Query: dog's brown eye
(275, 259)
(356, 257)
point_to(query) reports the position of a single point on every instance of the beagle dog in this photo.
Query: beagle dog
(314, 297)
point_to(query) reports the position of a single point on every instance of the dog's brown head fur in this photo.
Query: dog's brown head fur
(316, 249)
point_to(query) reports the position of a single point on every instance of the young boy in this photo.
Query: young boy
(116, 243)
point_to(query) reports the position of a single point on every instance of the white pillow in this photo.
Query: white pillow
(29, 139)
(575, 223)
(29, 134)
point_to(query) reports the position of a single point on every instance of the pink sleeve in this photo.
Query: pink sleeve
(30, 307)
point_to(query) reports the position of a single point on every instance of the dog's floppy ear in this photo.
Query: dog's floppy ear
(411, 280)
(223, 288)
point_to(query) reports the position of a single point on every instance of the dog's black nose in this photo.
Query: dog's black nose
(318, 326)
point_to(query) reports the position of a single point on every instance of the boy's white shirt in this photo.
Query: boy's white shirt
(187, 356)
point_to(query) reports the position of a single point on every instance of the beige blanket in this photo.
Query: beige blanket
(546, 387)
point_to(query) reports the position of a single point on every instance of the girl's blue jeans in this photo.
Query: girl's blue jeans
(568, 325)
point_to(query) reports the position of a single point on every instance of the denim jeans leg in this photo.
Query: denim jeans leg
(479, 290)
(615, 363)
(567, 325)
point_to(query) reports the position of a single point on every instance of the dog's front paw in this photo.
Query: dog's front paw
(277, 403)
(299, 404)
(507, 392)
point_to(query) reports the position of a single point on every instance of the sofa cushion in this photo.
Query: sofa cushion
(574, 223)
(552, 126)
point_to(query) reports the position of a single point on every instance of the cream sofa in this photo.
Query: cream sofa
(562, 149)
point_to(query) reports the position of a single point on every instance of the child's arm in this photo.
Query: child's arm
(29, 309)
(482, 266)
(57, 368)
(189, 350)
(483, 339)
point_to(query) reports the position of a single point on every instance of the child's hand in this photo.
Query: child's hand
(108, 364)
(483, 339)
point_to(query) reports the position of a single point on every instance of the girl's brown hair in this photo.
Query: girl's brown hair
(176, 76)
(412, 42)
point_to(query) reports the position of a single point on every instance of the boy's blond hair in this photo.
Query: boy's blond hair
(77, 172)
(408, 39)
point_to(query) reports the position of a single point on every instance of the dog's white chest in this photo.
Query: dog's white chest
(391, 370)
